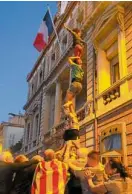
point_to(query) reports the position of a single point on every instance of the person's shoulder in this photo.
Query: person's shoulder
(61, 163)
(110, 185)
(128, 180)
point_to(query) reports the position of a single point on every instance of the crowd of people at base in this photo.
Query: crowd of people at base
(82, 173)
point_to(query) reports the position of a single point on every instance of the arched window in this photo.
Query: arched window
(113, 141)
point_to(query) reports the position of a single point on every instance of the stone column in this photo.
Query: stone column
(122, 54)
(58, 102)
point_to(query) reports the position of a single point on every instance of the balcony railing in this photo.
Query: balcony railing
(84, 111)
(114, 91)
(111, 95)
(50, 138)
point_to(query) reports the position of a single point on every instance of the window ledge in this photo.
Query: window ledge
(115, 85)
(113, 105)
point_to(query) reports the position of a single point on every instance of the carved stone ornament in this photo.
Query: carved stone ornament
(88, 109)
(120, 19)
(116, 13)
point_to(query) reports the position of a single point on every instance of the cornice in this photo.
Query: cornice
(11, 124)
(96, 13)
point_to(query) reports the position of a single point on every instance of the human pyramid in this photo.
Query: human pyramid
(71, 133)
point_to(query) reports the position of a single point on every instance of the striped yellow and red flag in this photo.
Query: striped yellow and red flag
(50, 178)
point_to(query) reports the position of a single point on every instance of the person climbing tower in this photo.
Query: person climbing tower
(78, 43)
(71, 135)
(75, 88)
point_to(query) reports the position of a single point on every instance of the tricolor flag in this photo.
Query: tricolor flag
(50, 178)
(45, 30)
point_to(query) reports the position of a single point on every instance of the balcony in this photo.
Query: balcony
(111, 95)
(56, 135)
(116, 95)
(83, 112)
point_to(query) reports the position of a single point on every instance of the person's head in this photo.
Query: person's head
(7, 157)
(73, 150)
(21, 158)
(38, 158)
(93, 158)
(49, 155)
(114, 166)
(58, 156)
(77, 31)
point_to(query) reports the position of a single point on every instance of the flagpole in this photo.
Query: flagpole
(54, 29)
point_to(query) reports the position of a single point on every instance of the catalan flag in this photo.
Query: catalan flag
(50, 178)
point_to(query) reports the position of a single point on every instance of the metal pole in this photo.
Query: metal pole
(55, 29)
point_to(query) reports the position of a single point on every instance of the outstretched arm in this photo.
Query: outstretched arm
(19, 166)
(71, 31)
(100, 188)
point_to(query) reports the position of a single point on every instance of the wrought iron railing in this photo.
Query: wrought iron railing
(57, 132)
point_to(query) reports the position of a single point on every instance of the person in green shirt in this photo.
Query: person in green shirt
(75, 88)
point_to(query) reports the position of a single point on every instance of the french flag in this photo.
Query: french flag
(45, 30)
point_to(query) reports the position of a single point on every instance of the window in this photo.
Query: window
(52, 110)
(114, 73)
(32, 88)
(64, 43)
(53, 57)
(36, 125)
(43, 68)
(40, 77)
(112, 142)
(48, 64)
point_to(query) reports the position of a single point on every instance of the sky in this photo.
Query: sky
(19, 23)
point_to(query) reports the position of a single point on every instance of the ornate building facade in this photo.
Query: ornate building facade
(104, 107)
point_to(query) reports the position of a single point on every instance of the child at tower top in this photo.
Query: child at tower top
(78, 43)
